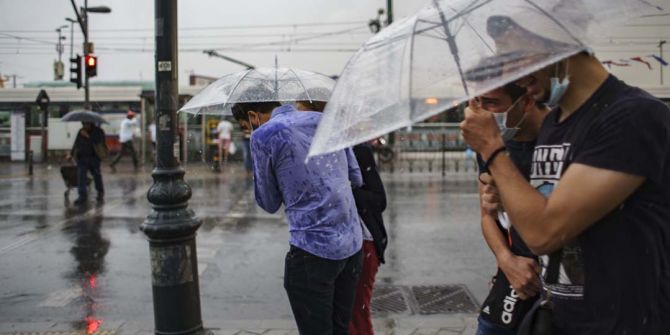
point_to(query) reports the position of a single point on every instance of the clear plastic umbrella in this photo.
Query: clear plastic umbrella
(453, 50)
(257, 85)
(83, 116)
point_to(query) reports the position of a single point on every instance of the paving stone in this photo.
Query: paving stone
(425, 331)
(277, 332)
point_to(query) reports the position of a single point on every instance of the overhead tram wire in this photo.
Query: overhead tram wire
(260, 26)
(301, 39)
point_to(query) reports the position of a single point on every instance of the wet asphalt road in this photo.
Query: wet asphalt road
(68, 264)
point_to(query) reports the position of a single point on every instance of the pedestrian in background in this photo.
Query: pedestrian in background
(126, 136)
(152, 137)
(224, 132)
(88, 147)
(243, 120)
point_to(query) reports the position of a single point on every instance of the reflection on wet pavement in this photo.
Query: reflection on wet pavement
(90, 265)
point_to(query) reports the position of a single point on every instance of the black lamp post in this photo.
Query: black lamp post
(171, 226)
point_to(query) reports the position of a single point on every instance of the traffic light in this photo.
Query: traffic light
(91, 64)
(75, 71)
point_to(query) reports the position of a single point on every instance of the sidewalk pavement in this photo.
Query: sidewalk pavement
(390, 325)
(425, 212)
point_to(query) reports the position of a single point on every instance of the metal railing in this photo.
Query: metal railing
(429, 148)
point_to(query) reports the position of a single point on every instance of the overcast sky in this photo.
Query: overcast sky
(317, 35)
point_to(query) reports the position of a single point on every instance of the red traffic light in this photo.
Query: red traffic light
(91, 61)
(91, 65)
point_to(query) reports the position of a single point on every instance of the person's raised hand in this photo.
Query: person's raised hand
(480, 130)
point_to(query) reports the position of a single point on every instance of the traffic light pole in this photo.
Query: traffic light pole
(389, 12)
(85, 27)
(172, 225)
(82, 18)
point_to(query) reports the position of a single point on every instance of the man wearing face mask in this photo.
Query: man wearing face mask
(598, 207)
(324, 261)
(519, 119)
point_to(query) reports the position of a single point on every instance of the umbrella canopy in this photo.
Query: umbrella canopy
(258, 85)
(83, 116)
(453, 50)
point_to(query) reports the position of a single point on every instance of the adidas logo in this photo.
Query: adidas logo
(486, 310)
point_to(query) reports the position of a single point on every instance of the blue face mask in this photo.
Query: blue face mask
(558, 86)
(501, 119)
(558, 89)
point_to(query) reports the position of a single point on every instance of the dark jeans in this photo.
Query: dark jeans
(486, 328)
(84, 165)
(126, 147)
(321, 291)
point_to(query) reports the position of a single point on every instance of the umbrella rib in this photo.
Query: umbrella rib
(475, 30)
(240, 80)
(452, 46)
(381, 43)
(303, 86)
(435, 25)
(558, 23)
(473, 6)
(411, 63)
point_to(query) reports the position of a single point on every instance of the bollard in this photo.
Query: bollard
(30, 163)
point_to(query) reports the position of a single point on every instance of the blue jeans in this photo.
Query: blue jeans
(486, 328)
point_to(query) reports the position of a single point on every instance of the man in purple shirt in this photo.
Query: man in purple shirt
(324, 261)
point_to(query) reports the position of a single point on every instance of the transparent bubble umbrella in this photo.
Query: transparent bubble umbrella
(258, 85)
(452, 50)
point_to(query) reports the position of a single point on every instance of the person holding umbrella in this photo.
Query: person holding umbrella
(88, 150)
(370, 203)
(598, 205)
(324, 261)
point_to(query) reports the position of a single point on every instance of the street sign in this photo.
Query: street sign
(88, 48)
(59, 70)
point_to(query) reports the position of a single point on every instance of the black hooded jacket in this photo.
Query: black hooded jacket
(371, 198)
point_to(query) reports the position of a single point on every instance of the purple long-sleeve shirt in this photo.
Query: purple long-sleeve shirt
(316, 194)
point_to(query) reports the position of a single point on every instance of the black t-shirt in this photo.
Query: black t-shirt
(521, 153)
(614, 277)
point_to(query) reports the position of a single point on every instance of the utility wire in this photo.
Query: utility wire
(260, 26)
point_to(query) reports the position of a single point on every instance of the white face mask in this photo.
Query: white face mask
(501, 119)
